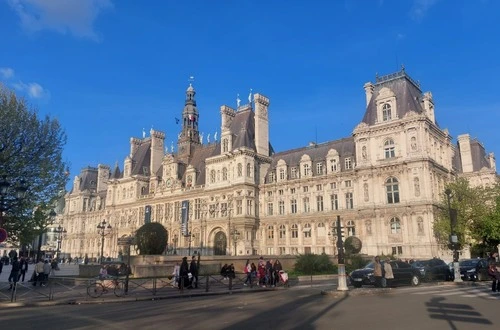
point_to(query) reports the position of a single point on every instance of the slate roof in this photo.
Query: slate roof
(88, 179)
(317, 152)
(407, 91)
(479, 157)
(141, 159)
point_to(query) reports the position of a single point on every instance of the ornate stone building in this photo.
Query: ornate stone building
(239, 196)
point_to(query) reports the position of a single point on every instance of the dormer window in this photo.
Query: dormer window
(389, 149)
(306, 170)
(386, 112)
(348, 164)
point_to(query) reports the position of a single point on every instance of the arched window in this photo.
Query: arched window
(270, 232)
(386, 112)
(351, 228)
(249, 172)
(240, 169)
(389, 149)
(212, 176)
(307, 230)
(395, 226)
(295, 231)
(143, 190)
(224, 174)
(392, 189)
(282, 231)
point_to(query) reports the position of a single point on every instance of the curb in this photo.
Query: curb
(128, 299)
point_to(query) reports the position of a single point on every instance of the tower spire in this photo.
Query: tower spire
(189, 134)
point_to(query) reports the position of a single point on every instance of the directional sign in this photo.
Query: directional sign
(125, 241)
(3, 235)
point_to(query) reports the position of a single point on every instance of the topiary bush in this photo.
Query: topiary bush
(151, 238)
(312, 264)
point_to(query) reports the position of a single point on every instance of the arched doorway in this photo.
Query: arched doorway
(220, 244)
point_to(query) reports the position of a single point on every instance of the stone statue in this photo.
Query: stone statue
(215, 136)
(208, 138)
(143, 133)
(238, 101)
(201, 138)
(172, 147)
(250, 97)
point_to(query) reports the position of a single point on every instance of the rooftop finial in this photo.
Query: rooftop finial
(250, 97)
(403, 67)
(191, 80)
(238, 101)
(143, 133)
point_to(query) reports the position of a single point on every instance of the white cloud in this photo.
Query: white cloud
(420, 8)
(34, 90)
(64, 16)
(400, 36)
(6, 73)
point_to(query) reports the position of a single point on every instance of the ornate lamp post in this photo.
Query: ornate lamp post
(60, 230)
(453, 237)
(103, 229)
(189, 236)
(235, 234)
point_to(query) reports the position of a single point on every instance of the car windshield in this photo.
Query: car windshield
(469, 263)
(370, 265)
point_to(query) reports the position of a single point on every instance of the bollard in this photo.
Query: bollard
(182, 284)
(230, 283)
(207, 281)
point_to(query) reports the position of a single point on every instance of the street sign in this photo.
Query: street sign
(124, 241)
(3, 235)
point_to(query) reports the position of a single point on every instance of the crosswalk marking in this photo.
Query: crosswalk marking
(483, 292)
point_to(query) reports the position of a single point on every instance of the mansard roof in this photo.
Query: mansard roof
(407, 92)
(88, 179)
(317, 152)
(479, 157)
(243, 129)
(116, 174)
(141, 158)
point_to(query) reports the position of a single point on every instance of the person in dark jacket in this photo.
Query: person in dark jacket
(14, 272)
(193, 269)
(183, 273)
(277, 268)
(24, 268)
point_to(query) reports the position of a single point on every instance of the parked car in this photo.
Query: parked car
(403, 274)
(474, 269)
(433, 269)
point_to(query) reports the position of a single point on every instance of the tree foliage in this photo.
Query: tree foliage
(151, 238)
(30, 155)
(478, 215)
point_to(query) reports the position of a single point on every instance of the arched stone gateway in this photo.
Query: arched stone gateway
(220, 244)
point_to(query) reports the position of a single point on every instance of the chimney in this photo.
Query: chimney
(369, 92)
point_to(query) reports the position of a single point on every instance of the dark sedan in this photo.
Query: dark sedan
(474, 269)
(404, 274)
(433, 269)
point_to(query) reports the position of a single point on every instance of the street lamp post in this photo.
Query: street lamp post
(60, 230)
(235, 235)
(190, 239)
(52, 216)
(103, 229)
(453, 237)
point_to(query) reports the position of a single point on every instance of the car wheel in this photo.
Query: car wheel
(415, 280)
(357, 285)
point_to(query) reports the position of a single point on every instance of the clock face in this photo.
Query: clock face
(169, 182)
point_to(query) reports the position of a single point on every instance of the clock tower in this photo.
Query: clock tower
(189, 137)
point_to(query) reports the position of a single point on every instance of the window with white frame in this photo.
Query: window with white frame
(249, 207)
(305, 189)
(280, 192)
(239, 206)
(386, 112)
(307, 170)
(319, 168)
(319, 203)
(293, 172)
(307, 207)
(292, 190)
(281, 207)
(272, 177)
(293, 206)
(282, 232)
(333, 185)
(349, 202)
(270, 232)
(333, 165)
(270, 207)
(392, 190)
(351, 228)
(319, 187)
(307, 230)
(395, 224)
(295, 231)
(282, 174)
(348, 163)
(224, 174)
(348, 183)
(389, 149)
(212, 176)
(334, 199)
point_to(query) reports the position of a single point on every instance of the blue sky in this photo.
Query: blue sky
(107, 69)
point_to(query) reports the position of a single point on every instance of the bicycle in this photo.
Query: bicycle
(97, 287)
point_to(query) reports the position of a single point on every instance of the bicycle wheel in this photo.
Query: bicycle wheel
(119, 289)
(95, 290)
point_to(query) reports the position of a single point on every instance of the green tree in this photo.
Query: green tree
(151, 238)
(473, 204)
(30, 155)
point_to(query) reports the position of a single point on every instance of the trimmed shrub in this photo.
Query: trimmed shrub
(312, 264)
(151, 238)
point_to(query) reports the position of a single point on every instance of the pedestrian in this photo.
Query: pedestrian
(277, 269)
(495, 277)
(193, 269)
(224, 271)
(14, 272)
(46, 272)
(24, 268)
(184, 273)
(248, 273)
(389, 275)
(38, 273)
(377, 272)
(175, 274)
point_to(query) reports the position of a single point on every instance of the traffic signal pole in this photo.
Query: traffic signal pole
(342, 281)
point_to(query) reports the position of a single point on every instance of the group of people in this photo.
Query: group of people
(267, 272)
(382, 272)
(186, 275)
